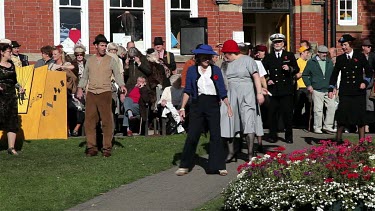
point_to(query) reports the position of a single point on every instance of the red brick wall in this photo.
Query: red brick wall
(96, 20)
(30, 23)
(158, 19)
(220, 24)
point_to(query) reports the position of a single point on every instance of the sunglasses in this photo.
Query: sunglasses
(79, 54)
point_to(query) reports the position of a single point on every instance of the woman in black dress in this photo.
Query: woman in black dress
(8, 97)
(356, 74)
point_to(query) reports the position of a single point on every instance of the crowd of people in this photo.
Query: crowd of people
(244, 89)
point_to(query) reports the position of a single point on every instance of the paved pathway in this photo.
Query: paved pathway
(166, 191)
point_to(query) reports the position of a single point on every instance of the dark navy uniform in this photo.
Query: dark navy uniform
(352, 105)
(282, 91)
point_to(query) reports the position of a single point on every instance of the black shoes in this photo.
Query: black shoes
(12, 151)
(289, 141)
(231, 158)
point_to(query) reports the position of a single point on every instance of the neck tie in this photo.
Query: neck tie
(278, 55)
(348, 57)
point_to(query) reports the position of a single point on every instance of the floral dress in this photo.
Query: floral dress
(8, 99)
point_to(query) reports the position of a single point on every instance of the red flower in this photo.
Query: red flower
(355, 60)
(216, 77)
(328, 180)
(353, 175)
(286, 57)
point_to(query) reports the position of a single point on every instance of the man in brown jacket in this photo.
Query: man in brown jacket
(97, 74)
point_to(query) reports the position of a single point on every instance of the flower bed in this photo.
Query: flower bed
(323, 177)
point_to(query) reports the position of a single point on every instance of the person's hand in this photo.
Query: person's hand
(122, 97)
(285, 67)
(229, 111)
(123, 90)
(310, 89)
(270, 82)
(260, 98)
(137, 60)
(163, 103)
(332, 94)
(79, 93)
(21, 90)
(182, 114)
(298, 75)
(1, 88)
(362, 86)
(264, 91)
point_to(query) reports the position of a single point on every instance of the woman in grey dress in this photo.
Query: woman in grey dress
(245, 93)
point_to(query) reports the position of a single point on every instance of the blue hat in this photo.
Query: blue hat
(346, 38)
(204, 49)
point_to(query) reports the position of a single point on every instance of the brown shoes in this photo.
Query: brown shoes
(107, 154)
(91, 152)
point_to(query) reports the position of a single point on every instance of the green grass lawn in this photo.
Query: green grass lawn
(56, 174)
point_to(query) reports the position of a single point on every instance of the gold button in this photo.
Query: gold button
(353, 76)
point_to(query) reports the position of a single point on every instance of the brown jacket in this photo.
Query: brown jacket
(98, 74)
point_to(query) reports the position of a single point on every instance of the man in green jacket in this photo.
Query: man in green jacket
(316, 77)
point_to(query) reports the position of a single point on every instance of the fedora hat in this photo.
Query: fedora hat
(346, 38)
(100, 38)
(15, 44)
(366, 42)
(158, 41)
(204, 49)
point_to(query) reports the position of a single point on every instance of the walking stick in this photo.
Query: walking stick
(310, 114)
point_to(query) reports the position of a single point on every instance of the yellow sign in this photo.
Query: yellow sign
(43, 108)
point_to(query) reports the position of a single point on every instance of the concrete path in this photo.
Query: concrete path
(166, 191)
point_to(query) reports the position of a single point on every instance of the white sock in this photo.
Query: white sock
(130, 113)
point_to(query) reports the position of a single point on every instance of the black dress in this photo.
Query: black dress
(352, 105)
(8, 99)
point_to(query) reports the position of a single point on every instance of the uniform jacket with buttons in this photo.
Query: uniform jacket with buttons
(283, 79)
(353, 73)
(313, 74)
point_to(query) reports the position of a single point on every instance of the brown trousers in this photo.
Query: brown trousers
(99, 106)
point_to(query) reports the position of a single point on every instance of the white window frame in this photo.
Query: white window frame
(146, 22)
(193, 14)
(84, 23)
(353, 21)
(2, 20)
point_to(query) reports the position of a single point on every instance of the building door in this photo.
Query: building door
(262, 18)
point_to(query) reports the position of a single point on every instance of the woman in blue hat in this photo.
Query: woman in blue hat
(205, 86)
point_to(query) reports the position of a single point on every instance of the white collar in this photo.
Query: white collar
(350, 54)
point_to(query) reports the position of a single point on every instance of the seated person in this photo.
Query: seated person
(171, 100)
(135, 102)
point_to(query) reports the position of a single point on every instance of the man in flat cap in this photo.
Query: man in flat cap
(281, 67)
(356, 74)
(165, 56)
(18, 59)
(316, 77)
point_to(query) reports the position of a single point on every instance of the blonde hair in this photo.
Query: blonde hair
(112, 46)
(121, 50)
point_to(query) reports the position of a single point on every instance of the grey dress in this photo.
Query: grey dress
(241, 95)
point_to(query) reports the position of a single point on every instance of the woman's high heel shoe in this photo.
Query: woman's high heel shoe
(223, 172)
(182, 171)
(12, 151)
(231, 158)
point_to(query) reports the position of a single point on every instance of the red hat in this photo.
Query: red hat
(261, 48)
(230, 46)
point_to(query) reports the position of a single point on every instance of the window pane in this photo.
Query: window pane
(137, 3)
(342, 15)
(76, 2)
(69, 18)
(115, 3)
(176, 17)
(349, 5)
(64, 2)
(349, 15)
(175, 3)
(342, 5)
(129, 23)
(126, 3)
(185, 4)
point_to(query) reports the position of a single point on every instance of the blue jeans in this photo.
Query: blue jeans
(129, 105)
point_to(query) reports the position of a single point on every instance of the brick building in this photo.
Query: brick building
(34, 23)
